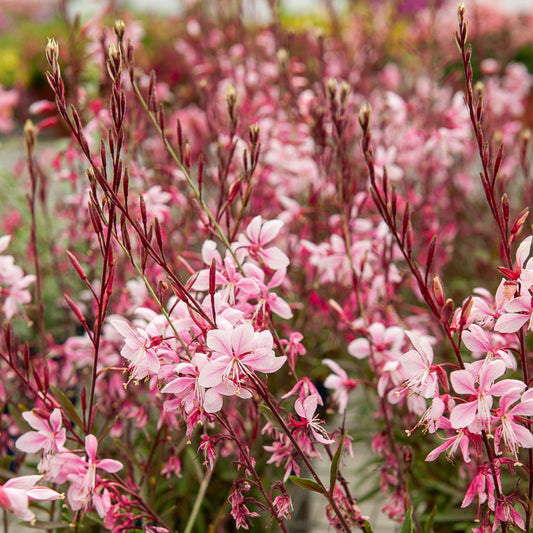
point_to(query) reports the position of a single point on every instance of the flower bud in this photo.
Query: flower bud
(446, 311)
(119, 28)
(438, 290)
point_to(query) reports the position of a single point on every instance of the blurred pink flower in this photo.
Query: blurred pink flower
(16, 493)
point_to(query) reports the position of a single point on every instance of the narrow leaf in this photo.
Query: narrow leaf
(307, 484)
(40, 524)
(269, 415)
(407, 526)
(335, 465)
(367, 528)
(67, 405)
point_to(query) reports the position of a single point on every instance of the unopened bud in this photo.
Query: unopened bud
(234, 190)
(467, 310)
(505, 207)
(187, 154)
(114, 60)
(29, 137)
(119, 28)
(344, 92)
(253, 132)
(231, 96)
(283, 59)
(438, 290)
(332, 88)
(446, 311)
(407, 455)
(52, 54)
(520, 221)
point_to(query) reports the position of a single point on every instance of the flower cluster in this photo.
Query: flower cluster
(244, 261)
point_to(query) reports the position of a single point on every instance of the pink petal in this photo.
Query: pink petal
(431, 456)
(280, 307)
(335, 367)
(270, 230)
(43, 494)
(421, 345)
(524, 251)
(412, 362)
(23, 482)
(212, 401)
(36, 422)
(524, 408)
(463, 414)
(123, 327)
(91, 446)
(359, 348)
(505, 386)
(220, 341)
(476, 339)
(274, 258)
(254, 228)
(31, 442)
(309, 406)
(268, 365)
(109, 465)
(463, 382)
(242, 339)
(524, 436)
(490, 373)
(211, 374)
(510, 322)
(55, 420)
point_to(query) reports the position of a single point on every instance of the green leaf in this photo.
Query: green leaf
(67, 405)
(407, 526)
(335, 465)
(428, 525)
(40, 524)
(307, 484)
(16, 414)
(269, 415)
(367, 528)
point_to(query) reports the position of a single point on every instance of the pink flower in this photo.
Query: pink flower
(340, 383)
(514, 434)
(139, 348)
(49, 437)
(506, 513)
(258, 235)
(189, 393)
(461, 440)
(484, 487)
(8, 100)
(384, 343)
(16, 493)
(306, 411)
(482, 343)
(518, 311)
(236, 354)
(83, 477)
(482, 387)
(418, 365)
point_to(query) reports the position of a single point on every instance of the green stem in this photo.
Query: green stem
(198, 501)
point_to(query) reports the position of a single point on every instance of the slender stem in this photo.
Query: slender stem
(264, 394)
(33, 244)
(198, 501)
(250, 467)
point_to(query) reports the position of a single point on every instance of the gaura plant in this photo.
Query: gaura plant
(230, 258)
